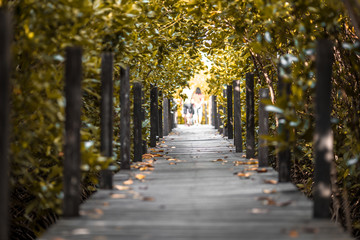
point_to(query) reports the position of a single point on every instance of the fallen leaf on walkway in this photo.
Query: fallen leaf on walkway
(173, 147)
(148, 199)
(117, 196)
(106, 204)
(140, 176)
(261, 170)
(122, 188)
(157, 151)
(244, 175)
(283, 204)
(267, 201)
(253, 159)
(269, 191)
(158, 155)
(172, 163)
(226, 157)
(146, 169)
(259, 211)
(293, 234)
(128, 182)
(99, 211)
(219, 160)
(244, 156)
(251, 169)
(171, 159)
(270, 181)
(147, 156)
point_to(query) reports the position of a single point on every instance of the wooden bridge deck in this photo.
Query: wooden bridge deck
(196, 198)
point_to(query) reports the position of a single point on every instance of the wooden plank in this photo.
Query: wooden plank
(5, 68)
(198, 199)
(137, 120)
(215, 113)
(237, 117)
(263, 128)
(250, 116)
(125, 118)
(72, 159)
(284, 155)
(154, 113)
(229, 112)
(323, 138)
(106, 116)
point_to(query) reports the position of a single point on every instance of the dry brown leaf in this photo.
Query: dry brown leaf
(251, 169)
(283, 204)
(219, 160)
(147, 156)
(157, 151)
(226, 157)
(259, 211)
(158, 155)
(140, 176)
(172, 163)
(270, 181)
(98, 211)
(171, 159)
(253, 159)
(244, 175)
(173, 147)
(121, 188)
(106, 204)
(243, 156)
(267, 201)
(117, 196)
(293, 234)
(261, 170)
(128, 182)
(148, 199)
(269, 191)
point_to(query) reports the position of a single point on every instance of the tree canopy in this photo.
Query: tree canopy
(165, 42)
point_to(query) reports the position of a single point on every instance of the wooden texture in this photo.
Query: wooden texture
(237, 117)
(160, 115)
(323, 138)
(206, 113)
(215, 113)
(263, 128)
(284, 154)
(166, 116)
(137, 120)
(106, 119)
(154, 113)
(5, 59)
(72, 159)
(125, 118)
(197, 199)
(250, 116)
(230, 121)
(224, 110)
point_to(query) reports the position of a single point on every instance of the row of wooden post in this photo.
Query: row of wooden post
(323, 142)
(73, 95)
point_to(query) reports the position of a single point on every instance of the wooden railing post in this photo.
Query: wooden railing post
(72, 159)
(160, 117)
(125, 118)
(229, 94)
(223, 108)
(5, 59)
(154, 122)
(106, 120)
(166, 116)
(263, 128)
(284, 155)
(237, 117)
(323, 138)
(206, 113)
(250, 124)
(137, 120)
(143, 118)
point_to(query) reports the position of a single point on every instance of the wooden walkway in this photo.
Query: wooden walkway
(188, 195)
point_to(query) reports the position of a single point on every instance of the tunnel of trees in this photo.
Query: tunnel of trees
(165, 43)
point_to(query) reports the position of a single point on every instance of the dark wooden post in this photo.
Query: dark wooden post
(172, 115)
(323, 138)
(160, 115)
(125, 118)
(166, 116)
(206, 114)
(284, 155)
(72, 160)
(5, 59)
(154, 123)
(230, 112)
(221, 123)
(250, 124)
(237, 117)
(263, 128)
(137, 120)
(143, 118)
(212, 110)
(223, 108)
(106, 120)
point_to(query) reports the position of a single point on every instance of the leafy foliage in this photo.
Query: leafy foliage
(164, 43)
